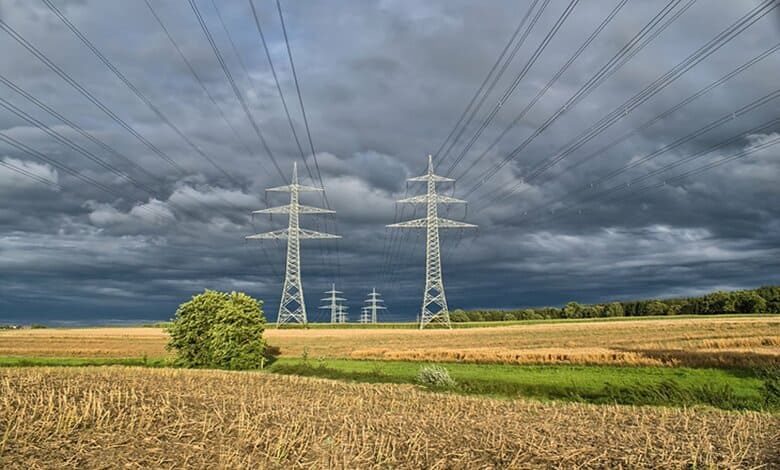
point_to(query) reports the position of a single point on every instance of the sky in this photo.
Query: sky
(606, 157)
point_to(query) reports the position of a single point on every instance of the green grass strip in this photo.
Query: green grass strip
(726, 389)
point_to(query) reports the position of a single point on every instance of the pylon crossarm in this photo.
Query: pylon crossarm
(275, 235)
(301, 210)
(423, 199)
(435, 178)
(288, 188)
(448, 223)
(416, 223)
(312, 235)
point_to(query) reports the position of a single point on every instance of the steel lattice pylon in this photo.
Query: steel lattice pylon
(292, 307)
(434, 306)
(334, 304)
(369, 312)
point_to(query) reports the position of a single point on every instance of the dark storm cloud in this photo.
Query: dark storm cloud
(383, 83)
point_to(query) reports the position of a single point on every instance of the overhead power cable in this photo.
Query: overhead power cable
(397, 239)
(635, 162)
(594, 81)
(473, 110)
(71, 171)
(655, 87)
(554, 79)
(235, 89)
(70, 81)
(138, 93)
(619, 191)
(279, 88)
(30, 175)
(308, 133)
(515, 83)
(29, 97)
(201, 83)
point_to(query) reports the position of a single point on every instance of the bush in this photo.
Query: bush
(219, 330)
(435, 377)
(509, 316)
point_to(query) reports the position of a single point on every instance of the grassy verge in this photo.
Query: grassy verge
(730, 389)
(726, 389)
(14, 361)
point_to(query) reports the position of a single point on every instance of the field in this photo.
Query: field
(161, 418)
(542, 394)
(706, 341)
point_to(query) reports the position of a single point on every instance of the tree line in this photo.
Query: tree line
(761, 300)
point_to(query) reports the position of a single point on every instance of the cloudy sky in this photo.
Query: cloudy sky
(125, 191)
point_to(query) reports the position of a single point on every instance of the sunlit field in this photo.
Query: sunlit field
(705, 341)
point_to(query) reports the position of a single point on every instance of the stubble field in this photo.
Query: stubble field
(701, 369)
(164, 418)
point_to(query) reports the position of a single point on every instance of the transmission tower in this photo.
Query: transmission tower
(341, 313)
(365, 316)
(334, 301)
(434, 305)
(292, 307)
(373, 303)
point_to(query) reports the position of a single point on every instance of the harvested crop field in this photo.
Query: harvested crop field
(705, 341)
(113, 417)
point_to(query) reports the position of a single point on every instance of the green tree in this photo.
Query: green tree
(509, 316)
(615, 309)
(475, 316)
(219, 330)
(655, 308)
(572, 310)
(749, 302)
(459, 316)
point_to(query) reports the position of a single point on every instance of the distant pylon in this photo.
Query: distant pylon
(292, 307)
(333, 303)
(341, 313)
(372, 306)
(365, 315)
(434, 305)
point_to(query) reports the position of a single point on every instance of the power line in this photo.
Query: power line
(234, 87)
(472, 112)
(30, 175)
(67, 169)
(308, 132)
(200, 82)
(279, 88)
(396, 239)
(581, 93)
(154, 108)
(68, 79)
(513, 86)
(655, 87)
(555, 78)
(41, 105)
(692, 172)
(635, 162)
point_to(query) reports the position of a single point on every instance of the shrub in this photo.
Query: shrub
(509, 316)
(219, 330)
(770, 389)
(435, 377)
